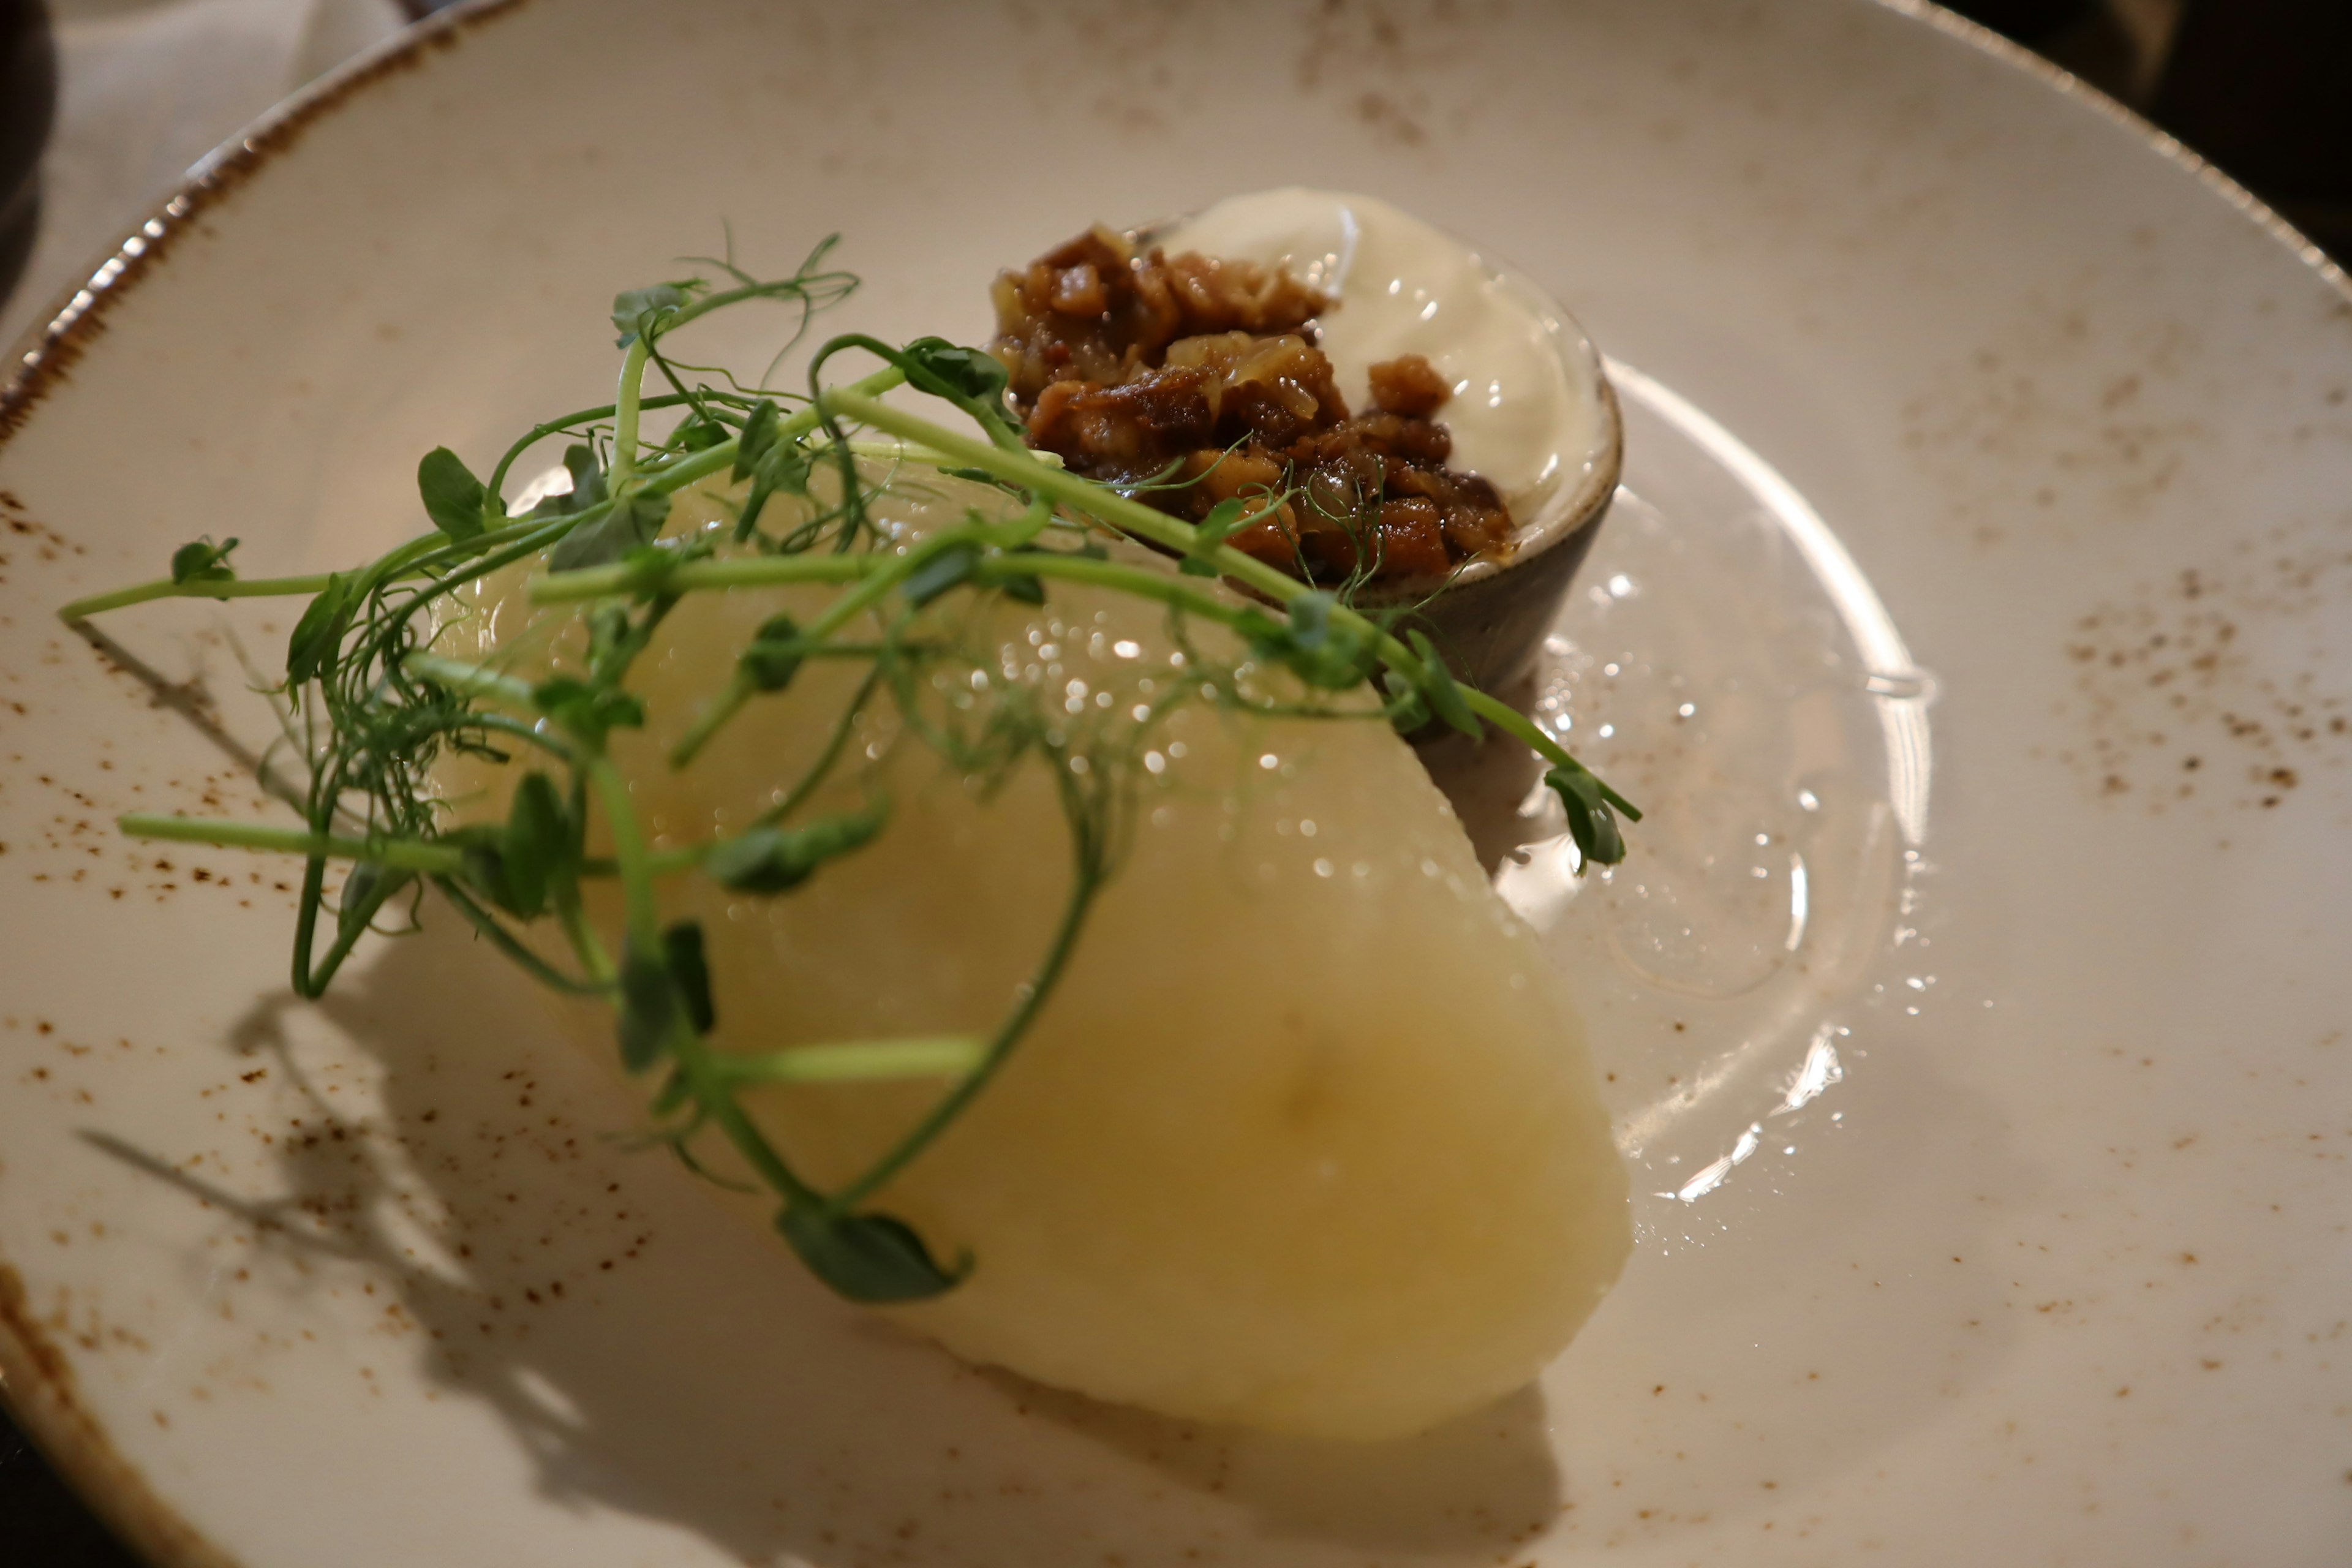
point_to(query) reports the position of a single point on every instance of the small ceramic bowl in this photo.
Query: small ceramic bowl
(1489, 615)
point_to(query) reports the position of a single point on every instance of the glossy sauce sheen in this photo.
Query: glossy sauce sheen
(1305, 1140)
(1517, 416)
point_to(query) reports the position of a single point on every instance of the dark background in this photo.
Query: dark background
(2264, 88)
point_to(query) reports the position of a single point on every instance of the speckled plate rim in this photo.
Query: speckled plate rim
(37, 1382)
(44, 353)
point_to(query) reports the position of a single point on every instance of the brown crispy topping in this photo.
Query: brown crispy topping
(1202, 379)
(1409, 385)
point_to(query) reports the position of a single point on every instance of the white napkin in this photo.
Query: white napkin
(145, 89)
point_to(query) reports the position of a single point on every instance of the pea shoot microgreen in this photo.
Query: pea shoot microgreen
(361, 669)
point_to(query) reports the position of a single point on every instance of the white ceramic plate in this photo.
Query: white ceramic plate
(1994, 1210)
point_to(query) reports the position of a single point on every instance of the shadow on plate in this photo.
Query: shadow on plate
(659, 1356)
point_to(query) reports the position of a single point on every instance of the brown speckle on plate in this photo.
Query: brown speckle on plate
(2176, 698)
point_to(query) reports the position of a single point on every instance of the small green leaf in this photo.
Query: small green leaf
(367, 889)
(540, 850)
(636, 310)
(1325, 652)
(1028, 588)
(202, 560)
(649, 1008)
(318, 635)
(589, 711)
(689, 971)
(952, 371)
(1589, 821)
(942, 571)
(1330, 653)
(1311, 617)
(1211, 532)
(632, 524)
(775, 655)
(784, 467)
(608, 635)
(758, 434)
(587, 478)
(675, 1090)
(867, 1257)
(360, 883)
(587, 485)
(483, 847)
(1407, 712)
(700, 435)
(777, 860)
(1268, 638)
(1445, 699)
(973, 378)
(454, 499)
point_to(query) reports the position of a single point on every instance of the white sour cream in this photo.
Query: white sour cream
(1525, 411)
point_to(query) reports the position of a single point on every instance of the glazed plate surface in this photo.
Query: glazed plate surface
(1975, 621)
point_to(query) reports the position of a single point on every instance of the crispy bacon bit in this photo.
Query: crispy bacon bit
(1079, 292)
(1202, 379)
(1090, 311)
(1409, 385)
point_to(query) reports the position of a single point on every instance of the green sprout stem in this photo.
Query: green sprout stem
(1129, 517)
(861, 1061)
(198, 588)
(472, 679)
(843, 727)
(772, 571)
(677, 476)
(1023, 468)
(421, 856)
(400, 854)
(665, 482)
(570, 422)
(1132, 517)
(1086, 882)
(496, 934)
(572, 915)
(739, 689)
(630, 852)
(409, 559)
(695, 1059)
(625, 414)
(635, 576)
(884, 573)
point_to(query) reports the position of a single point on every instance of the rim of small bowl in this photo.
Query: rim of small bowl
(1575, 501)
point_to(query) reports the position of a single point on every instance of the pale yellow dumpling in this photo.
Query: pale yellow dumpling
(1305, 1138)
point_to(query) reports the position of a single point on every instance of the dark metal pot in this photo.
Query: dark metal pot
(28, 100)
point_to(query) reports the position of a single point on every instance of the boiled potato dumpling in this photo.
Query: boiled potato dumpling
(1305, 1140)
